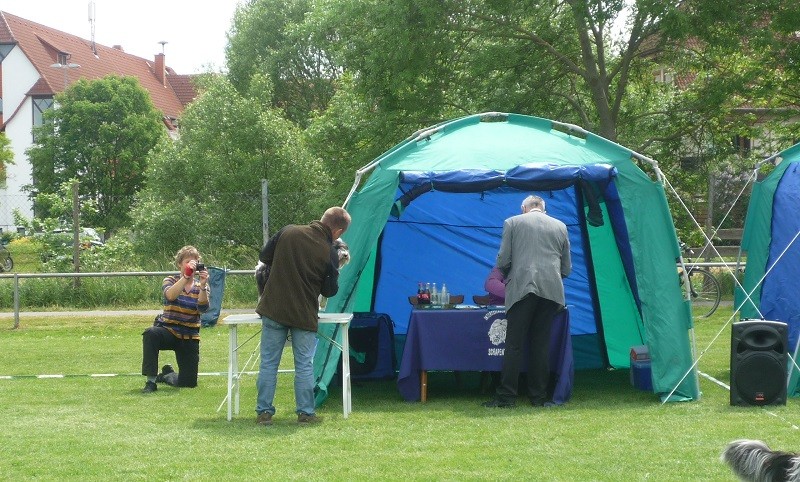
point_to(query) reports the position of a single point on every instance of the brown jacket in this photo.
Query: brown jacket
(303, 266)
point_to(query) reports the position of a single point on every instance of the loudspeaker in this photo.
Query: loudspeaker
(759, 362)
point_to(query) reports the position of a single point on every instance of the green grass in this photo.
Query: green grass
(82, 428)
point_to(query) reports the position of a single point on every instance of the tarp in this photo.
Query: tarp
(433, 207)
(771, 242)
(216, 282)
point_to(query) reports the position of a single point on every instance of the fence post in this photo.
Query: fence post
(265, 210)
(710, 212)
(16, 300)
(76, 233)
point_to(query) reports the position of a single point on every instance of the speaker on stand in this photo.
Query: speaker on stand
(759, 362)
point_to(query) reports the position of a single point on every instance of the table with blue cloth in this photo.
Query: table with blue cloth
(473, 340)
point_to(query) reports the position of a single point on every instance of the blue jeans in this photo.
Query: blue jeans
(304, 344)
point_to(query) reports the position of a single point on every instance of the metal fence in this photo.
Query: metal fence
(17, 276)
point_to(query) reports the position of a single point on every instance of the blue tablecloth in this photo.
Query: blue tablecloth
(474, 340)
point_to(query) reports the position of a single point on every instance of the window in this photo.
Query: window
(742, 145)
(40, 105)
(691, 163)
(5, 49)
(63, 58)
(663, 76)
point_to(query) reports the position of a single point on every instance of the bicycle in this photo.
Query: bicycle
(6, 263)
(705, 292)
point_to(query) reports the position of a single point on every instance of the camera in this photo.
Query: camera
(200, 267)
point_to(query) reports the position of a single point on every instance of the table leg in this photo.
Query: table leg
(423, 381)
(347, 396)
(233, 370)
(237, 377)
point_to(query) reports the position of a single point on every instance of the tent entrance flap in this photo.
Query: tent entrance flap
(621, 321)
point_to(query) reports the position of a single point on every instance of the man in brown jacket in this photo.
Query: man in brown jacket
(303, 264)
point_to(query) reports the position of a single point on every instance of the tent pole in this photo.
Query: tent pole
(775, 159)
(653, 163)
(370, 166)
(352, 189)
(580, 130)
(359, 174)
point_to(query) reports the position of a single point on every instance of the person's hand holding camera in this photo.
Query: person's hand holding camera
(193, 266)
(203, 273)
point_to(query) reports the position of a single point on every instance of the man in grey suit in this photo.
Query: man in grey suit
(534, 258)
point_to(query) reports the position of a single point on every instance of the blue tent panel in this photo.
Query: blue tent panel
(779, 298)
(461, 251)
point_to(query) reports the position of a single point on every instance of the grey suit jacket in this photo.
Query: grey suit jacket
(534, 257)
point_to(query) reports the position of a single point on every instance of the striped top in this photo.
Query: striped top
(182, 315)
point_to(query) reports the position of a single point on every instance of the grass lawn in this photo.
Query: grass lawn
(83, 428)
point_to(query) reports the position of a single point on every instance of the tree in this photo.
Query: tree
(205, 189)
(100, 133)
(269, 37)
(551, 58)
(591, 63)
(407, 64)
(347, 135)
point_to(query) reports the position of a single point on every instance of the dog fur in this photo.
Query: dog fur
(343, 251)
(754, 461)
(344, 257)
(262, 270)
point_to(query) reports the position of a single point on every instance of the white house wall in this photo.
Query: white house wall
(19, 76)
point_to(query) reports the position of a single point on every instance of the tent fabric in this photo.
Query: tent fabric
(433, 207)
(771, 241)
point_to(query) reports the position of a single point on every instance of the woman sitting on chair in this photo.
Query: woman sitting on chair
(496, 286)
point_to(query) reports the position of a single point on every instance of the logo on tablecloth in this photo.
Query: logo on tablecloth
(497, 331)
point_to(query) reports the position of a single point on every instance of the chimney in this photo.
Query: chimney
(161, 74)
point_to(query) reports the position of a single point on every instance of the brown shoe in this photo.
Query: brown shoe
(264, 418)
(304, 419)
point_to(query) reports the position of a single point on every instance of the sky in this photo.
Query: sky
(195, 31)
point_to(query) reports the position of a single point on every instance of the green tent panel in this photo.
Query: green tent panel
(433, 206)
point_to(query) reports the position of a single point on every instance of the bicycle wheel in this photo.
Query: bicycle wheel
(705, 292)
(8, 264)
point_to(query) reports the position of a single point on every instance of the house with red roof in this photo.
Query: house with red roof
(37, 62)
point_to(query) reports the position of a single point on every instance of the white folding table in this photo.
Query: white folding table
(233, 322)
